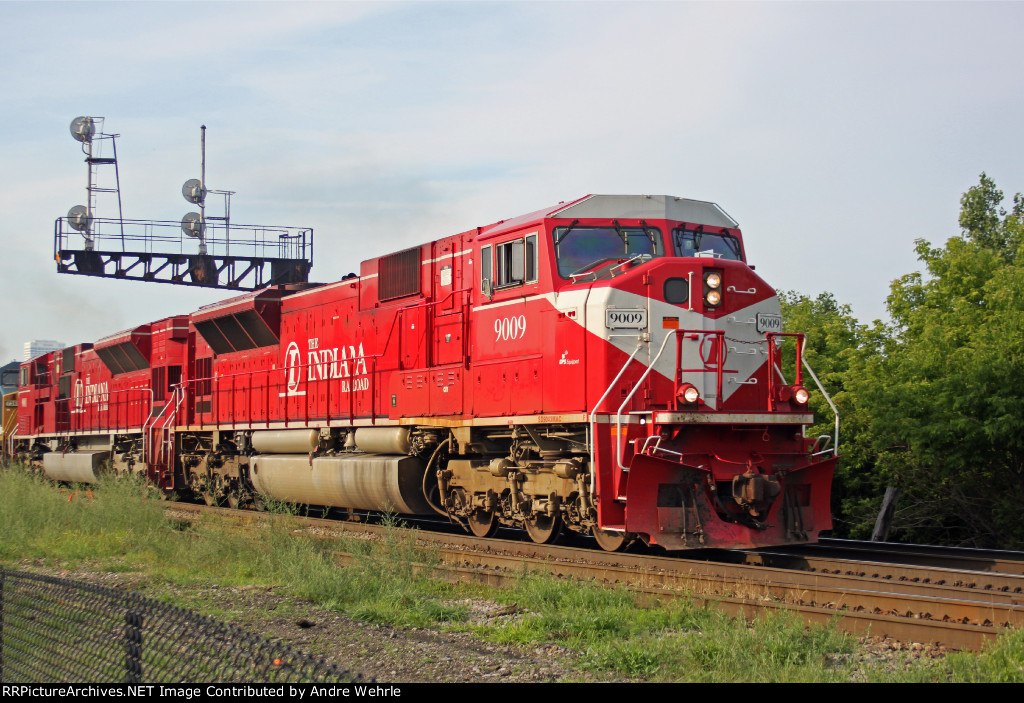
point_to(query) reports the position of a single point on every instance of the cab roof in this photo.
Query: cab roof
(625, 207)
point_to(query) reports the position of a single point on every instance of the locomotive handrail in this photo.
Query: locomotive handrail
(678, 335)
(828, 399)
(10, 429)
(774, 357)
(773, 354)
(629, 397)
(217, 389)
(430, 325)
(593, 413)
(720, 362)
(79, 420)
(218, 381)
(188, 388)
(152, 425)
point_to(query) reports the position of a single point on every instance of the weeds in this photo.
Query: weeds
(76, 523)
(117, 526)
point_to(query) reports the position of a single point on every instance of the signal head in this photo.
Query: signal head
(83, 129)
(79, 218)
(192, 225)
(194, 191)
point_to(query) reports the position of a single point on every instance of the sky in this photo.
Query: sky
(835, 133)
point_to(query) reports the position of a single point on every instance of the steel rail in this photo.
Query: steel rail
(990, 581)
(1005, 562)
(951, 615)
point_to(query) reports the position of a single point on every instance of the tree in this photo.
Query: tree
(945, 399)
(836, 346)
(933, 402)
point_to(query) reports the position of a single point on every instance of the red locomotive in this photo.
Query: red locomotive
(610, 366)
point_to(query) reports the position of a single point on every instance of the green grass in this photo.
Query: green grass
(123, 528)
(69, 525)
(679, 640)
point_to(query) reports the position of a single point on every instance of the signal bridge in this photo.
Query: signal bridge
(201, 250)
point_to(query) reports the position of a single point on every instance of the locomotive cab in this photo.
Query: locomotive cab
(703, 441)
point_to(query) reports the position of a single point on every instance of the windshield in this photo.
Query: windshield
(690, 242)
(580, 249)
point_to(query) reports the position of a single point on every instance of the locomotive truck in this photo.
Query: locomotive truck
(610, 366)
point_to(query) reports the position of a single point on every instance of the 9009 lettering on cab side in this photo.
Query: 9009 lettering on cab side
(610, 366)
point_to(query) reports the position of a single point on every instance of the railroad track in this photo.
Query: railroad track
(957, 558)
(955, 607)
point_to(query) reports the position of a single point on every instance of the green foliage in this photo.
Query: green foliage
(984, 221)
(933, 402)
(585, 615)
(1002, 661)
(948, 422)
(776, 647)
(678, 640)
(385, 581)
(838, 348)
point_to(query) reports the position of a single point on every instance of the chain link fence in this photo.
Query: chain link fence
(55, 630)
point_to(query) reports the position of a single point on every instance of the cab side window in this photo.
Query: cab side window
(531, 258)
(486, 278)
(510, 269)
(514, 263)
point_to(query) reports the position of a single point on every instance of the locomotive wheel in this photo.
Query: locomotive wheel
(483, 523)
(543, 529)
(209, 498)
(611, 540)
(234, 500)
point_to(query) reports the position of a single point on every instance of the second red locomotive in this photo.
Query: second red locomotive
(610, 366)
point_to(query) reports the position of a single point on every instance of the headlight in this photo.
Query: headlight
(800, 395)
(688, 393)
(712, 288)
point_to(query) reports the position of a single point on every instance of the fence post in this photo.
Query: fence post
(133, 640)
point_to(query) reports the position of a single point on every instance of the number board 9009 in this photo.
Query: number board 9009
(769, 322)
(625, 319)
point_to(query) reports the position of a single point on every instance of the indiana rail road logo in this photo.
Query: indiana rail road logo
(347, 364)
(86, 393)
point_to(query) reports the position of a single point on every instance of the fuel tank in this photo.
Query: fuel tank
(76, 467)
(358, 481)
